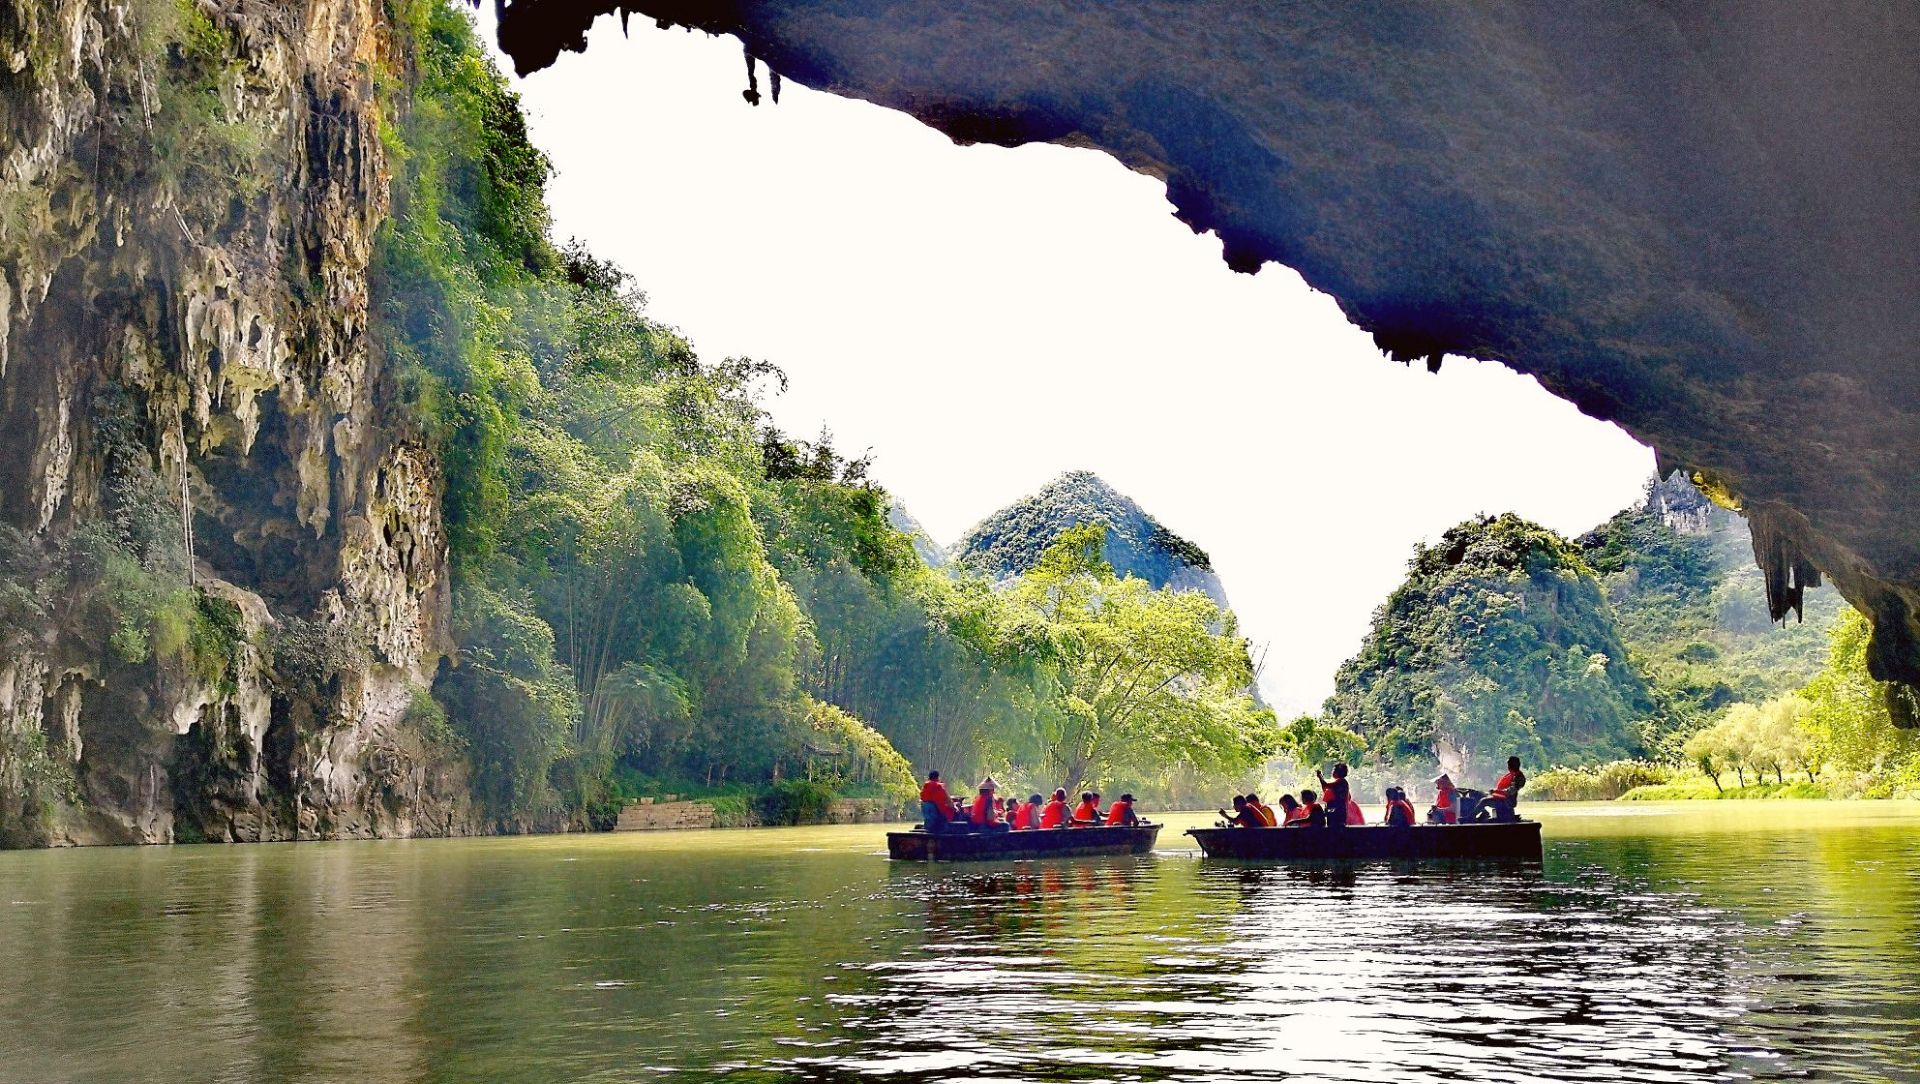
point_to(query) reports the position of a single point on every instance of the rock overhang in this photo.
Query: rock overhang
(1696, 221)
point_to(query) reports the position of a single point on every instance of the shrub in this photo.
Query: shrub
(794, 801)
(1602, 783)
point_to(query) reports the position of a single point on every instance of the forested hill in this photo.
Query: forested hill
(1506, 637)
(1010, 541)
(1691, 603)
(1499, 641)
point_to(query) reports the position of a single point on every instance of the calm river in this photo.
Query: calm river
(1660, 943)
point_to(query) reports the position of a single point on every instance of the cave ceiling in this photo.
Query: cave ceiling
(1700, 221)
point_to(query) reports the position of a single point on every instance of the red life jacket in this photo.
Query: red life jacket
(1504, 788)
(1448, 806)
(1087, 813)
(1297, 813)
(984, 813)
(1117, 813)
(1055, 814)
(1261, 810)
(1354, 814)
(1023, 815)
(1405, 807)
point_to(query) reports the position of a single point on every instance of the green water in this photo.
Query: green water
(1689, 942)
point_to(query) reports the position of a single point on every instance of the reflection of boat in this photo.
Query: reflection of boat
(1485, 839)
(921, 845)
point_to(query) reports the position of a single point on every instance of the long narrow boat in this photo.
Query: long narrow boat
(1492, 839)
(921, 845)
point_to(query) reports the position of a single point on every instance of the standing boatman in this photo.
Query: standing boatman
(1336, 795)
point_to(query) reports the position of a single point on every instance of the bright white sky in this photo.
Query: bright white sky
(984, 319)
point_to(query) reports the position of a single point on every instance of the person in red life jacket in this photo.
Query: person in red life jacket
(1505, 794)
(1031, 811)
(1016, 815)
(1087, 813)
(985, 816)
(1054, 815)
(1290, 810)
(1446, 804)
(1243, 815)
(1312, 813)
(1121, 814)
(1262, 810)
(1399, 810)
(1337, 795)
(936, 806)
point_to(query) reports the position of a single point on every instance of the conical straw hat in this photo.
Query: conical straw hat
(989, 784)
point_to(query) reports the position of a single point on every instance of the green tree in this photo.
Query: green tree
(1144, 677)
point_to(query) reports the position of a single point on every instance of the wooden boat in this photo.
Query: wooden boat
(921, 845)
(1485, 839)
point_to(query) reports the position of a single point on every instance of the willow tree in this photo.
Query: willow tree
(1144, 678)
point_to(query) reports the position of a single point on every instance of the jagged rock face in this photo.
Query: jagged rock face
(188, 208)
(1695, 220)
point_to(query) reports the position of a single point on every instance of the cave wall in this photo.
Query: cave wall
(190, 195)
(1695, 220)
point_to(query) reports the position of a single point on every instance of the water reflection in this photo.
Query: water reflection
(1676, 949)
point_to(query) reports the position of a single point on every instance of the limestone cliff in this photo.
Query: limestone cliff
(227, 568)
(1011, 540)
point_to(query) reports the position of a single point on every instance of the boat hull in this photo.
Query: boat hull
(920, 846)
(1512, 840)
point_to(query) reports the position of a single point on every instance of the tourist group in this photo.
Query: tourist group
(1333, 805)
(988, 812)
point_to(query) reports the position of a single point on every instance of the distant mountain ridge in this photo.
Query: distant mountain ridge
(933, 553)
(1010, 541)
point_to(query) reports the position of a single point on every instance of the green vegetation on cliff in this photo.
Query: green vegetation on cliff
(1499, 641)
(654, 586)
(1012, 540)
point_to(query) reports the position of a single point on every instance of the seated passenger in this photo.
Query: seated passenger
(935, 804)
(1500, 801)
(985, 816)
(1034, 802)
(1242, 816)
(1262, 810)
(1055, 813)
(1121, 815)
(1313, 815)
(1016, 814)
(1087, 813)
(1290, 809)
(1399, 810)
(1446, 804)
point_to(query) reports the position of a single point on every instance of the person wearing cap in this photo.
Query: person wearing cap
(1087, 813)
(935, 804)
(985, 816)
(1120, 814)
(1446, 804)
(1054, 815)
